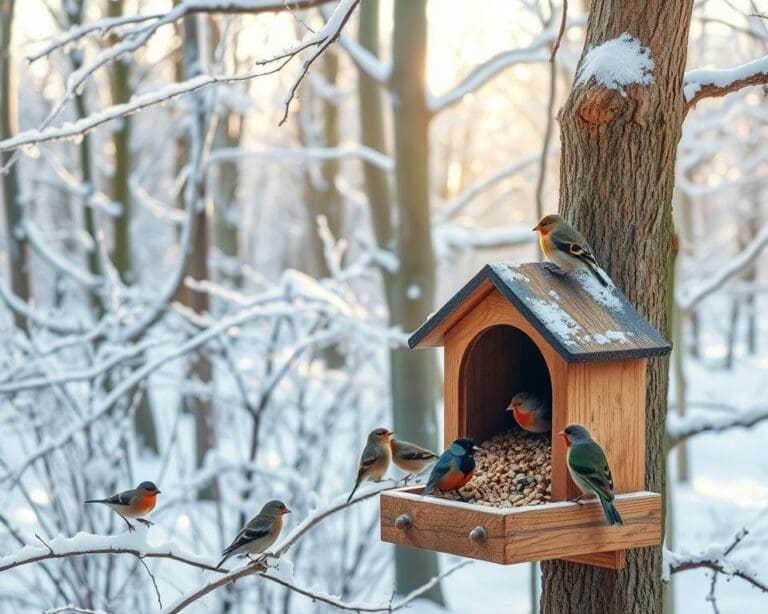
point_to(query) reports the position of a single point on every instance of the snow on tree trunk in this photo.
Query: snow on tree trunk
(414, 376)
(620, 130)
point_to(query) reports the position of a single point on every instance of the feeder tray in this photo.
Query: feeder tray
(565, 338)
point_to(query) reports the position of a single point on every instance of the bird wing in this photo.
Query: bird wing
(577, 246)
(122, 498)
(410, 451)
(258, 528)
(589, 462)
(369, 456)
(439, 471)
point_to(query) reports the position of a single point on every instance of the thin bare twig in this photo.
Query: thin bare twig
(563, 21)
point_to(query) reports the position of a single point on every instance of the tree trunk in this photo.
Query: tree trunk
(616, 176)
(18, 256)
(197, 266)
(413, 373)
(371, 111)
(121, 138)
(229, 129)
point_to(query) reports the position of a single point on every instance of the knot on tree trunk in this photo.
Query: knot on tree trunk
(599, 106)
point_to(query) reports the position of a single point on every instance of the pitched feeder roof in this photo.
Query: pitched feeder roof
(578, 317)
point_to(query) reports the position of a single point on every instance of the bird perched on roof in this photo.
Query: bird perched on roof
(409, 457)
(565, 247)
(531, 412)
(454, 468)
(132, 503)
(260, 533)
(589, 469)
(374, 461)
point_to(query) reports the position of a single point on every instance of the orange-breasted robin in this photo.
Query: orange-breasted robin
(531, 412)
(565, 247)
(409, 457)
(589, 469)
(132, 503)
(260, 533)
(454, 468)
(374, 461)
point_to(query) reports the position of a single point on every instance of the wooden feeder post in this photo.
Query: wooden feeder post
(522, 327)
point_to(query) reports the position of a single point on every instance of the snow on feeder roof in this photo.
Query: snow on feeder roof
(579, 318)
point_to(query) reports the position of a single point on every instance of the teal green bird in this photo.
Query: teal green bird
(589, 469)
(565, 247)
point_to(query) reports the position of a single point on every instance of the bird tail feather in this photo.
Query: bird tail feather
(349, 498)
(226, 556)
(95, 501)
(610, 511)
(599, 275)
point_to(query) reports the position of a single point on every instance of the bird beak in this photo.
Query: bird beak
(286, 511)
(157, 492)
(563, 435)
(477, 448)
(535, 228)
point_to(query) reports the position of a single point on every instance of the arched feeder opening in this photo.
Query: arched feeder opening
(500, 362)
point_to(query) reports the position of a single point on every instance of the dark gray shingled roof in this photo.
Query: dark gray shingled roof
(580, 319)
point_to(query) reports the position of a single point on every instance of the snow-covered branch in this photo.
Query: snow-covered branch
(283, 546)
(682, 428)
(688, 299)
(453, 237)
(366, 61)
(481, 74)
(54, 259)
(84, 544)
(715, 558)
(181, 10)
(537, 51)
(712, 83)
(477, 188)
(281, 155)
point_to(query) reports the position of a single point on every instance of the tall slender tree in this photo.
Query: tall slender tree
(414, 375)
(18, 256)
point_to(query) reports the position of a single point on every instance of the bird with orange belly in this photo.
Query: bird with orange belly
(454, 468)
(531, 412)
(132, 503)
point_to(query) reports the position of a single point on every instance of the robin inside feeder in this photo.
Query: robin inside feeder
(531, 412)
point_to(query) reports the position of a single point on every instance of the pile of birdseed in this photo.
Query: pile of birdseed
(514, 469)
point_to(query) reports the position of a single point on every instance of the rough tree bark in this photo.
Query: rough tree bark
(413, 373)
(18, 256)
(617, 175)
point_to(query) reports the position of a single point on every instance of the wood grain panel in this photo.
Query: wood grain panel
(514, 535)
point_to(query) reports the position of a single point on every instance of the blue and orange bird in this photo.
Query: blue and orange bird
(589, 469)
(531, 412)
(259, 534)
(374, 461)
(565, 247)
(132, 503)
(454, 468)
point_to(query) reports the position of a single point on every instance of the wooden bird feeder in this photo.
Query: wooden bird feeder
(564, 337)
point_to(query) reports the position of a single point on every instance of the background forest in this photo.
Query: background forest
(220, 224)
